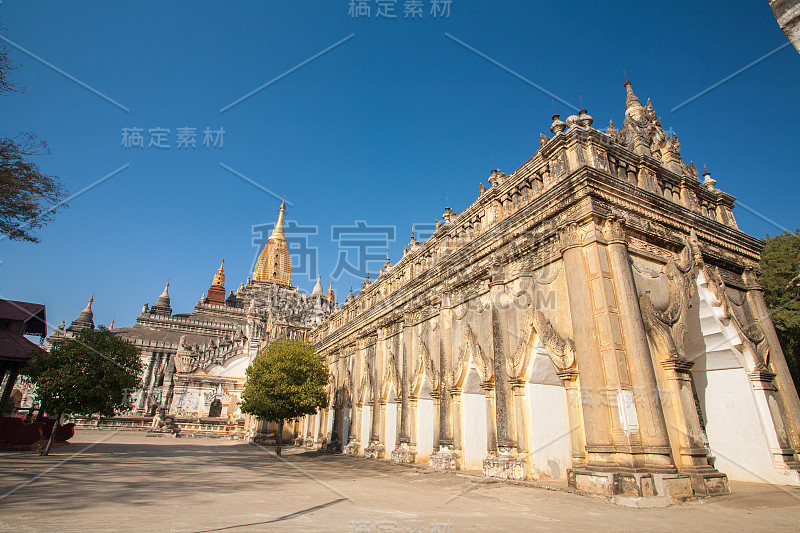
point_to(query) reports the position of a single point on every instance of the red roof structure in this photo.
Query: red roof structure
(16, 320)
(15, 347)
(24, 318)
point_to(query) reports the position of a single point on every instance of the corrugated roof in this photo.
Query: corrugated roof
(15, 347)
(33, 314)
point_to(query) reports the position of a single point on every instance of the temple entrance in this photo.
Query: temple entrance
(215, 410)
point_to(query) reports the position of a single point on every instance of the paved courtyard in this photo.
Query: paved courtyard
(130, 482)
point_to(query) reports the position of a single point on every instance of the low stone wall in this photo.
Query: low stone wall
(135, 423)
(187, 426)
(210, 427)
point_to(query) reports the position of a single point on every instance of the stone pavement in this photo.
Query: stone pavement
(129, 482)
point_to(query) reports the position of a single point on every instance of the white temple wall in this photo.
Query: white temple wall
(549, 430)
(390, 431)
(315, 433)
(426, 424)
(232, 368)
(330, 419)
(366, 420)
(735, 431)
(473, 422)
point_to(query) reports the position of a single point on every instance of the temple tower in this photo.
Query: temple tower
(274, 264)
(162, 306)
(85, 318)
(216, 293)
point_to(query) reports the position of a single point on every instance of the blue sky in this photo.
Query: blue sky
(386, 127)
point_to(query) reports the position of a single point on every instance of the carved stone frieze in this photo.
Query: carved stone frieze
(483, 362)
(431, 365)
(735, 306)
(668, 322)
(561, 351)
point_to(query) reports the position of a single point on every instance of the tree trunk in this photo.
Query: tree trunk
(53, 434)
(40, 413)
(280, 438)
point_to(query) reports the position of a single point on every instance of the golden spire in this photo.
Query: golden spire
(275, 264)
(219, 277)
(278, 232)
(330, 296)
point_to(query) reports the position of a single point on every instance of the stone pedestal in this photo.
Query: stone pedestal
(404, 454)
(260, 437)
(709, 483)
(375, 450)
(504, 466)
(674, 487)
(352, 448)
(444, 459)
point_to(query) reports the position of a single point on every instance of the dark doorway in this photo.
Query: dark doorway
(216, 408)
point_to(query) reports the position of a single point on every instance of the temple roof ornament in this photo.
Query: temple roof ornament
(275, 264)
(558, 125)
(708, 181)
(216, 293)
(162, 305)
(318, 287)
(163, 298)
(584, 118)
(633, 107)
(413, 243)
(331, 296)
(85, 318)
(219, 277)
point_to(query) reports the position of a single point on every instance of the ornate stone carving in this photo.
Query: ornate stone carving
(735, 307)
(614, 230)
(483, 363)
(431, 366)
(561, 351)
(668, 324)
(517, 362)
(392, 370)
(569, 236)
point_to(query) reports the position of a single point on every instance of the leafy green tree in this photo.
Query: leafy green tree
(780, 277)
(285, 381)
(89, 374)
(29, 198)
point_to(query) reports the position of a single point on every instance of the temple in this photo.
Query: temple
(593, 316)
(194, 362)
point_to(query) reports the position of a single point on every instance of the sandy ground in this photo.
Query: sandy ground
(126, 481)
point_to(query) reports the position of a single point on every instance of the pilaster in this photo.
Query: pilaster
(446, 457)
(403, 453)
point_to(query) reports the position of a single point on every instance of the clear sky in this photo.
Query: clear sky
(386, 127)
